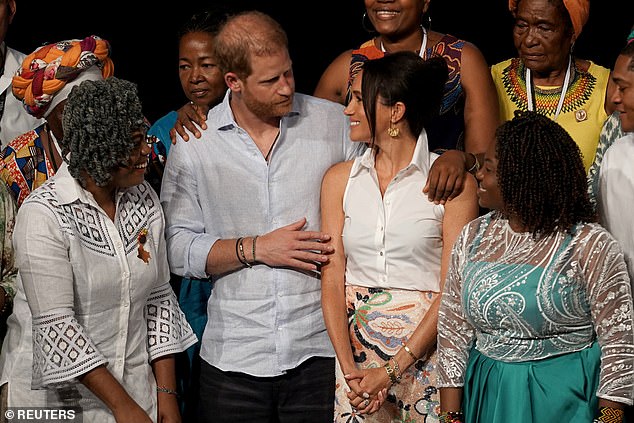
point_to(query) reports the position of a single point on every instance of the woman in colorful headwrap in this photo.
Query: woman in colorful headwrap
(43, 83)
(547, 78)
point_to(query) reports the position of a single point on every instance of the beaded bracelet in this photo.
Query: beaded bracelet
(166, 390)
(255, 238)
(451, 417)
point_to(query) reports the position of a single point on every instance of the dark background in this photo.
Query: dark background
(145, 49)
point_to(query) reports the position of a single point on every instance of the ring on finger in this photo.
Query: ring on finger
(366, 402)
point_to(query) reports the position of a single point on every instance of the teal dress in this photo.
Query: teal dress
(536, 330)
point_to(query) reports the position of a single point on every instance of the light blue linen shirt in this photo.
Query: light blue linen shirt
(262, 321)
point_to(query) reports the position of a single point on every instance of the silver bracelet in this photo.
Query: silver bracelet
(166, 390)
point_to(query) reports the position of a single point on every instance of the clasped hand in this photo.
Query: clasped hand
(368, 389)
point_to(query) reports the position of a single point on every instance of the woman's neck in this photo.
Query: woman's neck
(394, 154)
(402, 42)
(103, 195)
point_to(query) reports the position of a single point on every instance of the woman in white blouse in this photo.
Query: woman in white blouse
(535, 323)
(93, 275)
(381, 286)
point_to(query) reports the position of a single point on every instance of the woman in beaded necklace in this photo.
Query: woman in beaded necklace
(547, 78)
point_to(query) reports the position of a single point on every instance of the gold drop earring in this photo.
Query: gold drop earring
(393, 131)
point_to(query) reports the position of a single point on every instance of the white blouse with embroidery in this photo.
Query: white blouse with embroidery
(99, 294)
(520, 299)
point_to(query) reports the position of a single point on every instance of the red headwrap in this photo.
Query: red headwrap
(579, 10)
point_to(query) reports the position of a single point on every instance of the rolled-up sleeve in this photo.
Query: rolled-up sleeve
(188, 244)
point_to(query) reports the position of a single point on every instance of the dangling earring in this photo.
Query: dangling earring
(393, 131)
(369, 29)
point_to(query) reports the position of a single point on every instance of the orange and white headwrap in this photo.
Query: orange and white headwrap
(579, 11)
(46, 71)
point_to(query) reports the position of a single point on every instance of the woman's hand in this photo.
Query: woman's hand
(131, 414)
(190, 117)
(446, 177)
(368, 389)
(168, 411)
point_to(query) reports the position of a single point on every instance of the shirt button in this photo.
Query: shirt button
(381, 253)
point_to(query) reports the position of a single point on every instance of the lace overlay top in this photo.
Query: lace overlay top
(520, 299)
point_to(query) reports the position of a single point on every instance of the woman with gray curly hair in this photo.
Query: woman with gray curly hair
(94, 274)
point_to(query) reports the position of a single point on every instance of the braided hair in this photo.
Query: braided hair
(541, 174)
(98, 121)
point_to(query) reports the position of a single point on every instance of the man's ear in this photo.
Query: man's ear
(233, 81)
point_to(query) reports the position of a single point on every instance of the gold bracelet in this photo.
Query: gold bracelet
(408, 351)
(392, 372)
(397, 369)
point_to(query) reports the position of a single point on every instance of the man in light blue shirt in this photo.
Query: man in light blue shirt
(242, 206)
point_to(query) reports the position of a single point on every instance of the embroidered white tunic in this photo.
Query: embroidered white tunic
(94, 301)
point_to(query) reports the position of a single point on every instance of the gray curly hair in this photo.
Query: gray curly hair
(98, 121)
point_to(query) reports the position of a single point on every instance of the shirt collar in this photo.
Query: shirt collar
(226, 120)
(69, 190)
(420, 158)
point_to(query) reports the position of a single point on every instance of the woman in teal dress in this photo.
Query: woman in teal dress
(535, 323)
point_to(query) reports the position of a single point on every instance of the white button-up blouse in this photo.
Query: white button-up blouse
(99, 293)
(395, 240)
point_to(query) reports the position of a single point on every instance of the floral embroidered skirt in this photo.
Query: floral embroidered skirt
(380, 321)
